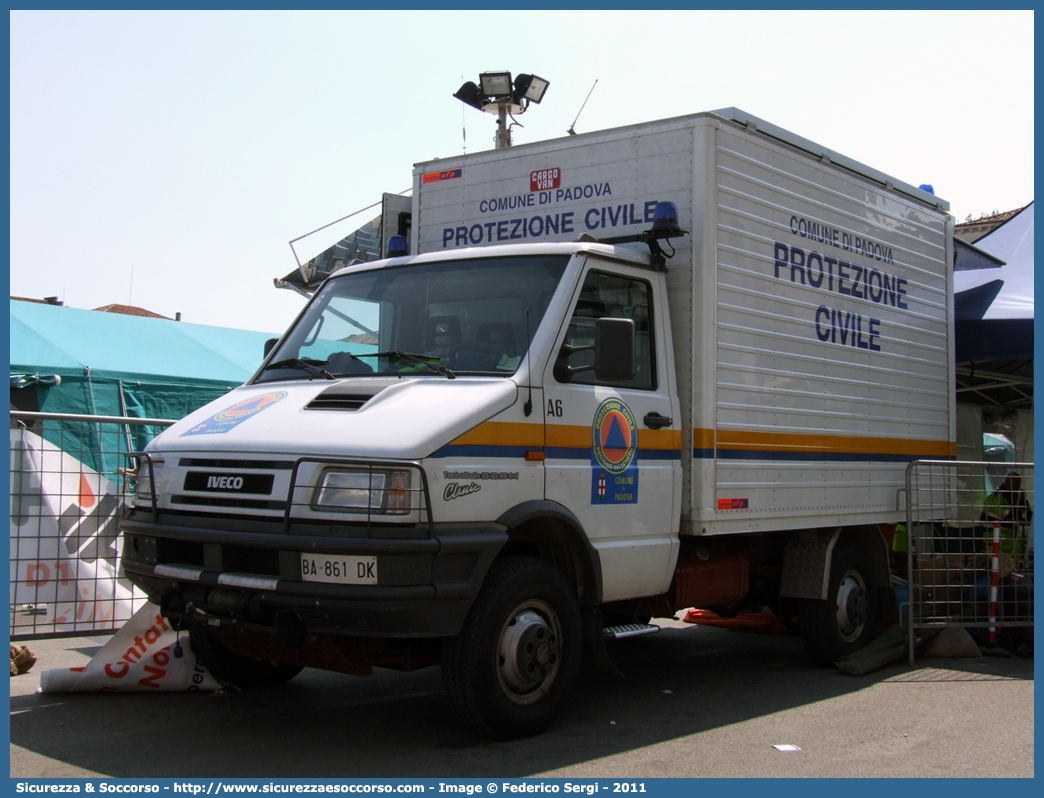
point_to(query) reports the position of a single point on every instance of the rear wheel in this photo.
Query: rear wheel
(844, 622)
(244, 672)
(518, 654)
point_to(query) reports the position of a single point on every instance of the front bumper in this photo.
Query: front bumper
(246, 573)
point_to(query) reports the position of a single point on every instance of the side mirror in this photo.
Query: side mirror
(269, 344)
(614, 353)
(614, 349)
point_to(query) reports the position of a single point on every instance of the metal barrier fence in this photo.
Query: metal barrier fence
(970, 555)
(68, 481)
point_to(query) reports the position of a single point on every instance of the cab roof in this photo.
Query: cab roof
(619, 253)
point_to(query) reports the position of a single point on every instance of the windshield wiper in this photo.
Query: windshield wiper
(304, 365)
(423, 360)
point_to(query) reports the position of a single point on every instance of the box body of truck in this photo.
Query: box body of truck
(529, 434)
(809, 304)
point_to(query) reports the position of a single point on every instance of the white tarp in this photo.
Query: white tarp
(1012, 242)
(65, 541)
(143, 656)
(65, 564)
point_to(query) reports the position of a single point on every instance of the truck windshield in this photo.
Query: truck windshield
(437, 320)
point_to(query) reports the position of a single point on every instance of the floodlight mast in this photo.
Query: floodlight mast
(503, 131)
(496, 93)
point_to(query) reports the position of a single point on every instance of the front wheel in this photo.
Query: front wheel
(518, 654)
(844, 622)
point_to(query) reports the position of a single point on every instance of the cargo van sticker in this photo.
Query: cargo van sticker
(545, 179)
(233, 416)
(614, 474)
(445, 174)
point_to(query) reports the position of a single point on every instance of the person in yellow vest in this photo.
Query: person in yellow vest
(1008, 505)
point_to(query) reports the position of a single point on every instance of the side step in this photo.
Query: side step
(629, 630)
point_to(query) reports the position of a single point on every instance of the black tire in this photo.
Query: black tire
(246, 673)
(845, 621)
(518, 653)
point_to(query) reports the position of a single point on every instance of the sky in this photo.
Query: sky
(167, 159)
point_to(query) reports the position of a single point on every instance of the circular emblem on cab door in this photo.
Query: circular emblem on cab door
(615, 436)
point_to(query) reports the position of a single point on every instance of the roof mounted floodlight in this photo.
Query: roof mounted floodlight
(470, 94)
(496, 84)
(530, 87)
(496, 93)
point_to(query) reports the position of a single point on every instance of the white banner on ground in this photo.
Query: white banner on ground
(140, 657)
(65, 541)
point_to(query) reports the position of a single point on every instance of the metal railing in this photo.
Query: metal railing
(68, 486)
(970, 549)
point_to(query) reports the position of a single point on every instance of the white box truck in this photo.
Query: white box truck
(538, 431)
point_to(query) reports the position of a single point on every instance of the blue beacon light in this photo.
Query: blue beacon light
(397, 247)
(665, 220)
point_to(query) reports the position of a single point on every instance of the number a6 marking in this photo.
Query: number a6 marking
(554, 408)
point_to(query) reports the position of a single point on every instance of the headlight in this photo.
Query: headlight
(367, 490)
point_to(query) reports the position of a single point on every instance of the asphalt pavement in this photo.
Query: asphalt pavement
(696, 702)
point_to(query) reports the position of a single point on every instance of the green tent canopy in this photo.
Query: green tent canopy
(109, 364)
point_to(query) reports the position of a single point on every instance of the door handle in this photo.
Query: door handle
(655, 421)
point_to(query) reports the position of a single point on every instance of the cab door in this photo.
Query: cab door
(613, 452)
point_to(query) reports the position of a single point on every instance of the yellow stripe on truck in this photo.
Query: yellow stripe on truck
(735, 440)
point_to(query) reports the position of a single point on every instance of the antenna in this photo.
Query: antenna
(527, 408)
(464, 124)
(572, 132)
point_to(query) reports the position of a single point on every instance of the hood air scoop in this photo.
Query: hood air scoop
(340, 397)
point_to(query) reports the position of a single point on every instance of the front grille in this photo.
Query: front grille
(222, 501)
(246, 465)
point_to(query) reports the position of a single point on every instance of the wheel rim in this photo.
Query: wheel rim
(530, 652)
(853, 606)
